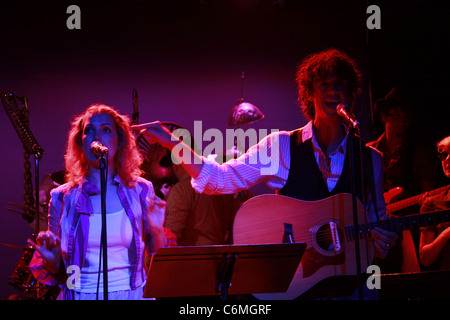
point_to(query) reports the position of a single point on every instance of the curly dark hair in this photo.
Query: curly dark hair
(316, 67)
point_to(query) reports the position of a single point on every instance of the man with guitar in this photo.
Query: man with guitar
(409, 170)
(407, 162)
(434, 247)
(313, 161)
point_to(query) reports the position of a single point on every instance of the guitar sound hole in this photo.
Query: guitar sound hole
(324, 238)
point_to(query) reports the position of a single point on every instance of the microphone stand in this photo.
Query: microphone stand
(352, 135)
(37, 157)
(104, 244)
(19, 119)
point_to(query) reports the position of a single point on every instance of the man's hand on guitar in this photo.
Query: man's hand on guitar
(383, 241)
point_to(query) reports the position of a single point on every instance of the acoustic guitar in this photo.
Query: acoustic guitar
(326, 226)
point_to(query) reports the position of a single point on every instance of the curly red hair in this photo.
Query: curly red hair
(127, 160)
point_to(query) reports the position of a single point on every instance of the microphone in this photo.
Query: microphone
(344, 112)
(98, 149)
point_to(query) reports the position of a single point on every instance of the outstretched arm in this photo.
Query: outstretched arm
(156, 132)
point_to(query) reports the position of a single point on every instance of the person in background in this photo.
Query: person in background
(434, 246)
(195, 219)
(407, 163)
(409, 170)
(199, 219)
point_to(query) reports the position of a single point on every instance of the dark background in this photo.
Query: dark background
(185, 59)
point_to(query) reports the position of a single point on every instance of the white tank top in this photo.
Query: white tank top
(119, 237)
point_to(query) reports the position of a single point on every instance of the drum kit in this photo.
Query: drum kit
(23, 280)
(21, 277)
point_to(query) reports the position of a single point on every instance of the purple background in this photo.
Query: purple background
(185, 58)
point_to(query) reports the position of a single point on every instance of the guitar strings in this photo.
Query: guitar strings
(396, 225)
(324, 235)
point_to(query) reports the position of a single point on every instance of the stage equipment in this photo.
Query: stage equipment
(244, 112)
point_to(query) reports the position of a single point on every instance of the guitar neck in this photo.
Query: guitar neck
(403, 204)
(402, 223)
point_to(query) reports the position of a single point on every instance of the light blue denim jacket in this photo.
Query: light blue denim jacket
(69, 219)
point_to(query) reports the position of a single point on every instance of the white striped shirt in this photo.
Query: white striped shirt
(331, 165)
(269, 162)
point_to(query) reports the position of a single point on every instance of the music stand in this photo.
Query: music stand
(222, 270)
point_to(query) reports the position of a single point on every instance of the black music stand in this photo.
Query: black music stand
(222, 270)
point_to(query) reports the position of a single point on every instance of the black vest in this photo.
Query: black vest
(305, 181)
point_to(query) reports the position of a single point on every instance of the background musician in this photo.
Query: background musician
(434, 241)
(409, 170)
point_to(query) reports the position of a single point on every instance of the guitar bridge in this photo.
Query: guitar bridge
(288, 236)
(335, 237)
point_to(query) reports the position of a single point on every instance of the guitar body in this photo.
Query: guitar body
(267, 219)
